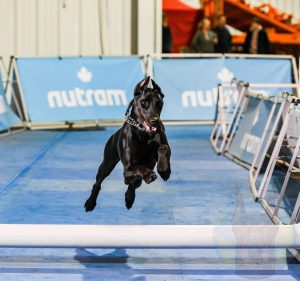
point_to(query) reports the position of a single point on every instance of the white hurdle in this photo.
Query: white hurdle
(149, 236)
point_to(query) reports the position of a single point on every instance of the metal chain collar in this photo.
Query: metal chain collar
(133, 123)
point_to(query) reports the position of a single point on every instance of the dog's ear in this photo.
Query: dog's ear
(139, 87)
(148, 83)
(145, 83)
(157, 88)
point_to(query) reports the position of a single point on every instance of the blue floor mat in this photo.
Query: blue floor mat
(46, 177)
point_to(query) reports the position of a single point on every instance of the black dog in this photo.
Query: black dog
(139, 144)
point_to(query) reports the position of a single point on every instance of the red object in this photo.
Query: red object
(182, 20)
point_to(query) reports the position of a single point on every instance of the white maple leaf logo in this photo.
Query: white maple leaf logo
(225, 75)
(84, 75)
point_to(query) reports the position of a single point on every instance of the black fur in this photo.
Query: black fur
(139, 151)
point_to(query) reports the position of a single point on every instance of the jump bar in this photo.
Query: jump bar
(149, 236)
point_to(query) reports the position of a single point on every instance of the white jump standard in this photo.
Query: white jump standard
(149, 236)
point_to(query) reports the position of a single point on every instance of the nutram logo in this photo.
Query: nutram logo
(199, 98)
(81, 98)
(208, 98)
(78, 97)
(250, 143)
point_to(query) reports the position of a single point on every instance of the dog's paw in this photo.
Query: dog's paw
(90, 205)
(150, 177)
(164, 149)
(129, 198)
(165, 175)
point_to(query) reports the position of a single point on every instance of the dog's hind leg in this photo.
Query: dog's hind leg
(110, 160)
(130, 193)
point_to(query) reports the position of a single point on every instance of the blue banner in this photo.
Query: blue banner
(190, 85)
(7, 117)
(75, 89)
(250, 129)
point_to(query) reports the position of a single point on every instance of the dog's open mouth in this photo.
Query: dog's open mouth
(148, 127)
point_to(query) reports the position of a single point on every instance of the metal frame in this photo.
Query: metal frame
(273, 160)
(225, 118)
(237, 120)
(296, 212)
(186, 55)
(10, 83)
(298, 75)
(283, 136)
(6, 83)
(215, 55)
(254, 171)
(266, 128)
(3, 82)
(15, 70)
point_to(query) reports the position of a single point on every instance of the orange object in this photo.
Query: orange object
(182, 20)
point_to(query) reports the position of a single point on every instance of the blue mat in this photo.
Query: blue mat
(47, 175)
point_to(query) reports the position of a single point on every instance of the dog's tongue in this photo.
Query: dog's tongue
(149, 128)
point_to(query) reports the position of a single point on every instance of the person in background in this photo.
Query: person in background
(257, 41)
(166, 36)
(204, 40)
(224, 37)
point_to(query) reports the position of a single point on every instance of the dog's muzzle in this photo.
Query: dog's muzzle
(151, 126)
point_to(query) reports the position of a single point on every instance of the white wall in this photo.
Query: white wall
(149, 26)
(79, 27)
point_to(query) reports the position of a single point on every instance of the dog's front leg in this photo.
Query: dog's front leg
(163, 158)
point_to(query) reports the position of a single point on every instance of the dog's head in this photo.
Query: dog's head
(148, 104)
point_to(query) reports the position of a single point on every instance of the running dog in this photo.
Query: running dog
(139, 144)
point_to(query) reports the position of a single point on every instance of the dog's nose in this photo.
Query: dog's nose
(154, 120)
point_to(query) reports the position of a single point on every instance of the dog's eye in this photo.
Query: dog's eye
(159, 104)
(144, 104)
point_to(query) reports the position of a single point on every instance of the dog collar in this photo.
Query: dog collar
(141, 127)
(133, 123)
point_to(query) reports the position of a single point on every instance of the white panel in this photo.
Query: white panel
(296, 11)
(104, 27)
(127, 22)
(47, 28)
(7, 29)
(281, 5)
(116, 29)
(26, 28)
(69, 27)
(89, 33)
(289, 5)
(158, 26)
(146, 26)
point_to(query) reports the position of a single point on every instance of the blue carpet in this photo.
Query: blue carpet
(46, 176)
